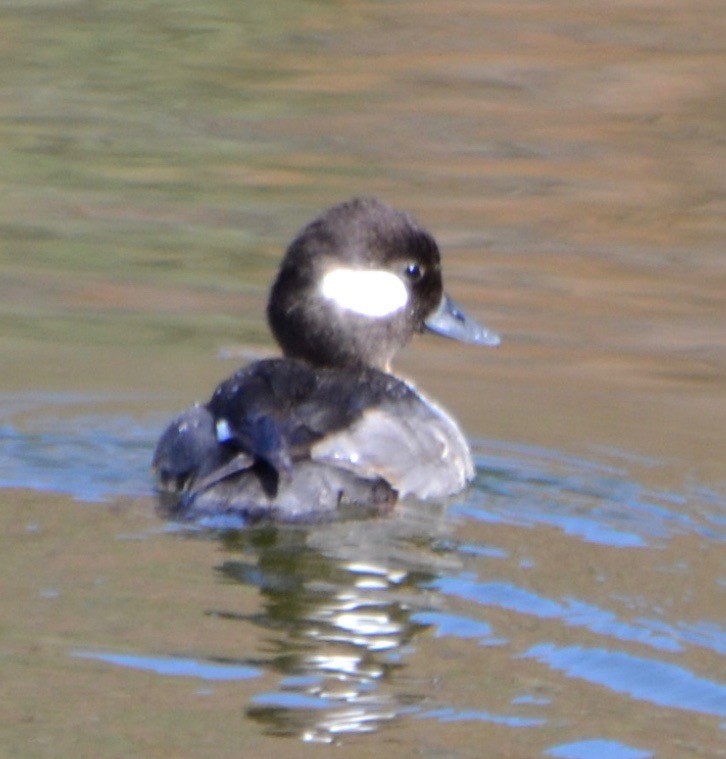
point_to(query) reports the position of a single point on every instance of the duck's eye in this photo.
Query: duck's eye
(413, 272)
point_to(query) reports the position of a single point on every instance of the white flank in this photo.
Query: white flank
(367, 292)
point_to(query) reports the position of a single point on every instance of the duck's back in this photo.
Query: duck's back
(285, 437)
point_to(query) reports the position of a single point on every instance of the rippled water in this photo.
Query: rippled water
(556, 583)
(570, 160)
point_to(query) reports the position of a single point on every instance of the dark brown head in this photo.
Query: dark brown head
(356, 283)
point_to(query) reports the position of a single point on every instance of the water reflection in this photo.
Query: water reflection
(597, 749)
(340, 617)
(72, 443)
(551, 572)
(646, 679)
(594, 501)
(175, 666)
(344, 604)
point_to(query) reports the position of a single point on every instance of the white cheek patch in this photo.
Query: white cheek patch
(368, 292)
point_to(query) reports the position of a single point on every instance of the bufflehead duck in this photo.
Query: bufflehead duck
(328, 427)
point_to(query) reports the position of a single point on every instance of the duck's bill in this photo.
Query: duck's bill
(450, 320)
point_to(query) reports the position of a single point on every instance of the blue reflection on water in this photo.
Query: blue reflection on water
(595, 502)
(293, 701)
(91, 456)
(172, 666)
(465, 715)
(458, 626)
(586, 528)
(658, 682)
(596, 749)
(572, 612)
(490, 552)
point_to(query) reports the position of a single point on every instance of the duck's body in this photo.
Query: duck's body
(328, 427)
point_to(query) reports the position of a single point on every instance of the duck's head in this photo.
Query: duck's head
(356, 283)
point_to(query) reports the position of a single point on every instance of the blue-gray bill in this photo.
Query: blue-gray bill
(450, 320)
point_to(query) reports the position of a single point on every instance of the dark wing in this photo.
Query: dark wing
(276, 410)
(249, 450)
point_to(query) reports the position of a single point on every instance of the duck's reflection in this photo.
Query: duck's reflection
(338, 601)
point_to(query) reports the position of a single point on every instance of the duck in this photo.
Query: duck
(327, 429)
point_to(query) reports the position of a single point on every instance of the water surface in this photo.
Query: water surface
(156, 158)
